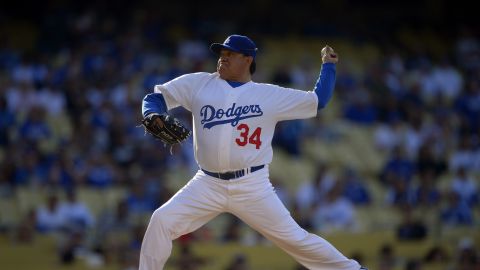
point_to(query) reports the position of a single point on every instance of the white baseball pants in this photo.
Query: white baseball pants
(252, 199)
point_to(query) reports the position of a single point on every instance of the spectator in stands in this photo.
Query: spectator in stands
(111, 230)
(49, 217)
(467, 104)
(389, 135)
(398, 166)
(414, 135)
(464, 185)
(394, 73)
(440, 142)
(335, 212)
(31, 169)
(304, 74)
(61, 173)
(463, 155)
(35, 128)
(100, 171)
(388, 110)
(139, 201)
(311, 192)
(426, 192)
(21, 97)
(457, 212)
(399, 192)
(360, 109)
(77, 215)
(427, 163)
(346, 83)
(448, 81)
(411, 99)
(410, 227)
(355, 188)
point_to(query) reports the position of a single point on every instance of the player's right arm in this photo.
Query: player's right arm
(298, 104)
(326, 81)
(325, 85)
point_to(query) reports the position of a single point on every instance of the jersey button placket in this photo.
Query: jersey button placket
(226, 137)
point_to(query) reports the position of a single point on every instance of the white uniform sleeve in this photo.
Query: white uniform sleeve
(294, 104)
(181, 90)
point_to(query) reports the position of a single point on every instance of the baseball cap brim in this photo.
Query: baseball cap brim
(217, 47)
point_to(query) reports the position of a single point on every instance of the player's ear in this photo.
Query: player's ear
(250, 61)
(253, 67)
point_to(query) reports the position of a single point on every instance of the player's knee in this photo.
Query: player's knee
(170, 226)
(160, 218)
(296, 238)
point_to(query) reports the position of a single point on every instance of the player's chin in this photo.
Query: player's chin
(222, 72)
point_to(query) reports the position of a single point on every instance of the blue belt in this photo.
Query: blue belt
(233, 174)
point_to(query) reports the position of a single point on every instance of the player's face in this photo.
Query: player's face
(234, 66)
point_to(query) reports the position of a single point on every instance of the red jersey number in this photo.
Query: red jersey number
(245, 138)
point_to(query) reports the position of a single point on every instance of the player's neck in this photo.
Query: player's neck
(239, 79)
(235, 84)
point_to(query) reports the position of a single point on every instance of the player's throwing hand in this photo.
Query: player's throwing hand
(328, 55)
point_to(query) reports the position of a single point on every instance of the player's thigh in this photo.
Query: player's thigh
(191, 207)
(269, 216)
(255, 200)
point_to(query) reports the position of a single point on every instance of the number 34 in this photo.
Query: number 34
(245, 138)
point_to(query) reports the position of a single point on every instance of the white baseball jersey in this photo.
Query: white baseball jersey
(233, 127)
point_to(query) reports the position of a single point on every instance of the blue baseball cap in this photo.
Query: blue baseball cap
(236, 43)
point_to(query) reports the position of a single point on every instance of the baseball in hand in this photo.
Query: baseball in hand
(329, 55)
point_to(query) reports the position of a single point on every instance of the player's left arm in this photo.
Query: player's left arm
(326, 81)
(153, 103)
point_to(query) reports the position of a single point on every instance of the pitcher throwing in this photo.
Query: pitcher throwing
(234, 120)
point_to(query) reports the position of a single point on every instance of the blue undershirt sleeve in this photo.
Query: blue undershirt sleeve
(153, 103)
(325, 84)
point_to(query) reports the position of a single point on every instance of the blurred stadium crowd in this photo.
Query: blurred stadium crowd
(70, 98)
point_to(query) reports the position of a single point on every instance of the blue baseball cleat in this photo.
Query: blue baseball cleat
(363, 268)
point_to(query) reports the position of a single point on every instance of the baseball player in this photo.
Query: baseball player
(233, 123)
